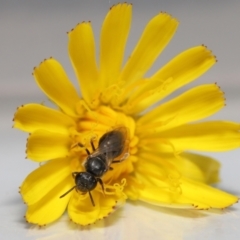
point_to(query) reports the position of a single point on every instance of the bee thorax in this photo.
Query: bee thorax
(96, 166)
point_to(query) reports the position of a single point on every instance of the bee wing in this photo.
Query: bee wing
(113, 144)
(107, 152)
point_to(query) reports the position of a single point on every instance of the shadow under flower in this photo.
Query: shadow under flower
(110, 220)
(185, 213)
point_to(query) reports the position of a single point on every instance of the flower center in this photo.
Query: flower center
(92, 126)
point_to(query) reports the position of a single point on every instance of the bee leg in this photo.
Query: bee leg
(80, 145)
(93, 147)
(117, 161)
(110, 168)
(74, 174)
(90, 195)
(122, 159)
(67, 192)
(101, 183)
(87, 151)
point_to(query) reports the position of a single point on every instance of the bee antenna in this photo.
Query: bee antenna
(87, 151)
(90, 195)
(67, 192)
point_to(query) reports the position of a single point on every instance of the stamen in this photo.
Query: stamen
(150, 91)
(130, 89)
(110, 92)
(133, 150)
(149, 141)
(134, 141)
(133, 186)
(97, 116)
(153, 128)
(166, 166)
(82, 107)
(107, 112)
(115, 188)
(175, 187)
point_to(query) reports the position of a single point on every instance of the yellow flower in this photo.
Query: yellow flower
(159, 169)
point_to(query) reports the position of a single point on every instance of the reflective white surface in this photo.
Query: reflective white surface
(34, 30)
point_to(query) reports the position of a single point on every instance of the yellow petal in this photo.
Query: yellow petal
(161, 188)
(81, 49)
(44, 145)
(114, 35)
(153, 170)
(160, 182)
(195, 167)
(52, 79)
(31, 117)
(132, 188)
(184, 68)
(193, 195)
(204, 196)
(81, 210)
(186, 167)
(160, 197)
(45, 178)
(208, 166)
(197, 103)
(50, 207)
(154, 39)
(206, 136)
(156, 164)
(119, 170)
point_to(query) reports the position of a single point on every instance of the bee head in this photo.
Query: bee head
(85, 182)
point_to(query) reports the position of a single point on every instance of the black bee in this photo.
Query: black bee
(111, 145)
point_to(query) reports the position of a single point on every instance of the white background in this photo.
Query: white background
(33, 30)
